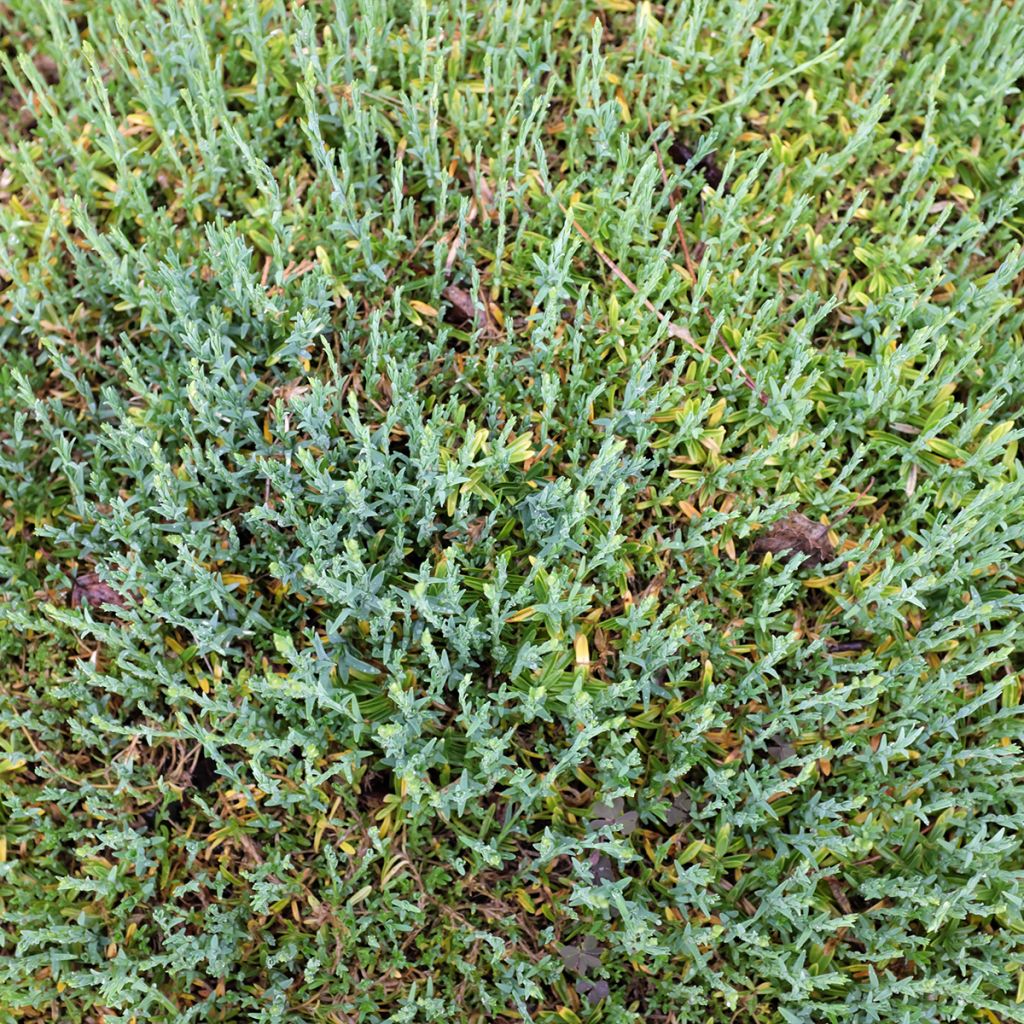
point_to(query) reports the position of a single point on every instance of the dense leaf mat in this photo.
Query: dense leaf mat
(406, 415)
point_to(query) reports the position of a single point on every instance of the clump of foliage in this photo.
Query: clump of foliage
(403, 407)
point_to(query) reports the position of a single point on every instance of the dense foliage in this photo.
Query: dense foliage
(402, 405)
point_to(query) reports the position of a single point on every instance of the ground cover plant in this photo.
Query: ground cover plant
(511, 511)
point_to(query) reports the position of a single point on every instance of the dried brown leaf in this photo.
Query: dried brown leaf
(846, 646)
(47, 67)
(602, 868)
(799, 535)
(465, 308)
(484, 192)
(682, 154)
(90, 589)
(839, 894)
(461, 301)
(780, 749)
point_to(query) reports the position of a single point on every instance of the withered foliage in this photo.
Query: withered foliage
(797, 535)
(88, 588)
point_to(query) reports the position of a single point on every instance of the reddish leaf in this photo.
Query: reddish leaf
(780, 749)
(602, 868)
(582, 957)
(800, 535)
(593, 991)
(614, 815)
(468, 310)
(839, 894)
(384, 389)
(679, 812)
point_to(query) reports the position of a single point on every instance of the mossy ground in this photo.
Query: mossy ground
(396, 404)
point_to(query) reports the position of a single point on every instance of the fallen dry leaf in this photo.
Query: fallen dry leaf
(484, 193)
(682, 154)
(47, 67)
(602, 868)
(465, 309)
(90, 589)
(839, 894)
(798, 534)
(461, 301)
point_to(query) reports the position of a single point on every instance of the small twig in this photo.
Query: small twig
(673, 329)
(293, 272)
(671, 201)
(456, 239)
(419, 245)
(853, 504)
(689, 262)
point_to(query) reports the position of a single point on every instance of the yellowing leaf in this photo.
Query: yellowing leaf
(620, 98)
(999, 431)
(523, 899)
(716, 412)
(519, 450)
(361, 895)
(943, 447)
(522, 615)
(582, 648)
(820, 582)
